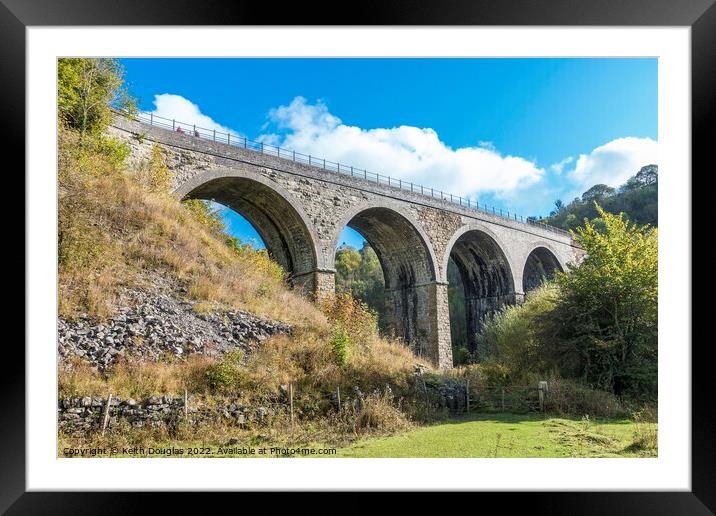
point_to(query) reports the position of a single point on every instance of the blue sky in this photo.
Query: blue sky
(516, 133)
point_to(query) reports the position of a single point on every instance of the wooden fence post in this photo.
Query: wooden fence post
(503, 399)
(338, 393)
(106, 413)
(290, 394)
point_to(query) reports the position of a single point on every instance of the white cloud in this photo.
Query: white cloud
(408, 153)
(418, 155)
(614, 162)
(176, 107)
(558, 167)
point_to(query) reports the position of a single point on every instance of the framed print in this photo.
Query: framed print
(424, 252)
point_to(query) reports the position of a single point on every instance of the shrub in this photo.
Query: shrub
(340, 345)
(572, 398)
(462, 356)
(227, 375)
(353, 316)
(514, 335)
(304, 358)
(494, 373)
(379, 414)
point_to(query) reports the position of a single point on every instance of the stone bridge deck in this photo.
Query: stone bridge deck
(300, 210)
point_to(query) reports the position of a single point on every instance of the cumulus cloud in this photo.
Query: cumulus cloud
(409, 153)
(614, 162)
(558, 167)
(176, 107)
(418, 155)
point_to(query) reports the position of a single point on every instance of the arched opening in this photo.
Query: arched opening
(237, 226)
(279, 225)
(479, 265)
(541, 265)
(458, 317)
(359, 272)
(408, 274)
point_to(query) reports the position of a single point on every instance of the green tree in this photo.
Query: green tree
(347, 262)
(647, 176)
(360, 273)
(597, 192)
(607, 309)
(637, 199)
(558, 207)
(87, 90)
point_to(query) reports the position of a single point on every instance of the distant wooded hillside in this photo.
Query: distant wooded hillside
(637, 199)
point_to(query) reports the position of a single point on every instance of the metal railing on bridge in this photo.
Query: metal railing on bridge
(331, 166)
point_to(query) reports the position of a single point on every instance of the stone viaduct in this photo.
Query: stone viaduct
(299, 210)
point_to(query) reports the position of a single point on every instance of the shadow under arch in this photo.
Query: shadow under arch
(541, 265)
(279, 222)
(486, 276)
(409, 272)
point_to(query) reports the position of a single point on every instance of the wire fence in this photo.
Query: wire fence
(236, 140)
(510, 398)
(291, 406)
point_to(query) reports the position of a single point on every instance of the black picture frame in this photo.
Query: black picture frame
(700, 15)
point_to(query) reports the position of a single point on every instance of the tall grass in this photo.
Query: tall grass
(117, 223)
(119, 227)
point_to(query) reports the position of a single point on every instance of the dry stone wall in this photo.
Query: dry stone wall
(84, 415)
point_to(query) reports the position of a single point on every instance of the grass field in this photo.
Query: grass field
(480, 435)
(509, 435)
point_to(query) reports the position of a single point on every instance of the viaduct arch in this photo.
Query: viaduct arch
(282, 225)
(408, 263)
(299, 210)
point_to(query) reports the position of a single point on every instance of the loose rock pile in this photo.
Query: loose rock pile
(157, 325)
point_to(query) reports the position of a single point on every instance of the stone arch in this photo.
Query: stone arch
(481, 228)
(389, 206)
(280, 221)
(408, 263)
(486, 273)
(540, 264)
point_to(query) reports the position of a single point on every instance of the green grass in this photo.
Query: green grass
(477, 436)
(508, 435)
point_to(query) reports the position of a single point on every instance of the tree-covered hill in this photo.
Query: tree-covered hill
(637, 199)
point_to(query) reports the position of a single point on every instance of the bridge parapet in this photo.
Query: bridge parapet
(228, 142)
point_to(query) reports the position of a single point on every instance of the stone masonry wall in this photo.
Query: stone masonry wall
(320, 203)
(83, 415)
(326, 197)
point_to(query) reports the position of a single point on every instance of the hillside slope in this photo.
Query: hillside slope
(145, 279)
(116, 225)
